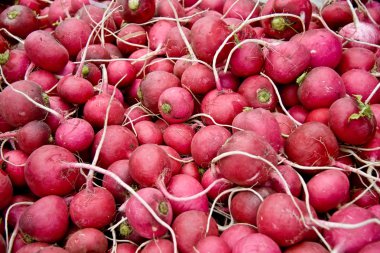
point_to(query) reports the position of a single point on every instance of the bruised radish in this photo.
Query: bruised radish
(87, 240)
(251, 171)
(352, 121)
(141, 220)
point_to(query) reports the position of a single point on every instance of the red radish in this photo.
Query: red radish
(351, 60)
(312, 247)
(247, 60)
(263, 123)
(319, 114)
(141, 220)
(299, 113)
(76, 90)
(321, 87)
(130, 38)
(251, 171)
(286, 61)
(87, 240)
(198, 79)
(174, 158)
(212, 244)
(190, 228)
(91, 72)
(361, 31)
(75, 135)
(33, 247)
(59, 105)
(94, 52)
(15, 212)
(208, 34)
(244, 206)
(228, 81)
(176, 105)
(371, 247)
(175, 188)
(164, 9)
(113, 50)
(73, 34)
(222, 106)
(206, 143)
(288, 95)
(121, 73)
(95, 110)
(158, 33)
(134, 115)
(337, 14)
(119, 143)
(175, 46)
(328, 190)
(214, 5)
(141, 58)
(21, 105)
(14, 64)
(53, 249)
(14, 167)
(279, 209)
(236, 232)
(148, 132)
(181, 65)
(6, 189)
(44, 78)
(125, 248)
(138, 11)
(53, 57)
(325, 48)
(286, 124)
(192, 170)
(19, 20)
(44, 173)
(258, 243)
(147, 170)
(291, 179)
(179, 137)
(153, 85)
(312, 144)
(160, 64)
(283, 27)
(47, 220)
(346, 240)
(240, 9)
(58, 10)
(370, 198)
(352, 121)
(208, 178)
(158, 246)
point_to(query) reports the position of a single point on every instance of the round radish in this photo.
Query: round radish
(179, 137)
(258, 243)
(197, 78)
(311, 247)
(148, 132)
(212, 244)
(236, 232)
(158, 246)
(19, 20)
(6, 190)
(87, 240)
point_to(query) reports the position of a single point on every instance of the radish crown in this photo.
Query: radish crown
(364, 109)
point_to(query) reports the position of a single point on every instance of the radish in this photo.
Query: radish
(91, 72)
(337, 14)
(291, 179)
(244, 206)
(370, 248)
(141, 220)
(158, 33)
(365, 198)
(288, 94)
(352, 121)
(59, 105)
(94, 52)
(256, 242)
(14, 64)
(350, 59)
(247, 60)
(160, 64)
(19, 20)
(175, 46)
(75, 90)
(44, 78)
(319, 114)
(198, 79)
(130, 38)
(228, 81)
(87, 240)
(53, 249)
(192, 170)
(240, 9)
(236, 232)
(158, 246)
(6, 189)
(175, 159)
(209, 178)
(33, 247)
(138, 11)
(212, 244)
(148, 132)
(14, 167)
(125, 248)
(58, 10)
(17, 210)
(47, 220)
(251, 171)
(312, 247)
(363, 32)
(298, 113)
(179, 137)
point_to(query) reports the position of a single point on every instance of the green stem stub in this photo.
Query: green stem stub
(125, 229)
(85, 71)
(364, 109)
(13, 14)
(133, 4)
(4, 57)
(263, 95)
(166, 108)
(163, 208)
(301, 78)
(279, 23)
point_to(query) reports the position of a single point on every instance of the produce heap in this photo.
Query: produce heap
(218, 126)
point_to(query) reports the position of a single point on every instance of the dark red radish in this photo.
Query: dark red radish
(138, 11)
(160, 64)
(175, 45)
(13, 165)
(179, 137)
(299, 113)
(16, 211)
(75, 134)
(325, 48)
(206, 143)
(33, 247)
(91, 72)
(361, 82)
(190, 228)
(22, 110)
(198, 78)
(222, 106)
(19, 20)
(291, 177)
(367, 199)
(53, 58)
(363, 32)
(212, 244)
(279, 209)
(140, 218)
(228, 81)
(321, 87)
(33, 135)
(247, 60)
(192, 170)
(374, 154)
(289, 96)
(44, 78)
(75, 89)
(45, 174)
(35, 5)
(121, 73)
(319, 114)
(244, 206)
(256, 242)
(347, 240)
(94, 52)
(356, 58)
(95, 110)
(263, 123)
(328, 190)
(153, 85)
(337, 14)
(52, 249)
(174, 158)
(59, 105)
(286, 61)
(6, 190)
(312, 144)
(87, 240)
(251, 171)
(130, 38)
(119, 143)
(236, 232)
(312, 247)
(84, 203)
(125, 248)
(283, 27)
(176, 189)
(158, 246)
(286, 124)
(208, 34)
(47, 220)
(352, 121)
(148, 132)
(147, 170)
(164, 9)
(14, 64)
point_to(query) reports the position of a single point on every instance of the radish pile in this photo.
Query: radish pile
(184, 126)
